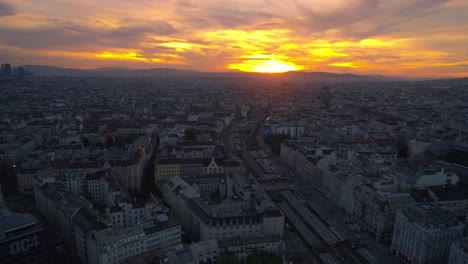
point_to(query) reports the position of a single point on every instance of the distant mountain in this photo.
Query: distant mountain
(40, 70)
(110, 68)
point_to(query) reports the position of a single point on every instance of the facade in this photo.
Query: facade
(98, 185)
(113, 246)
(312, 172)
(85, 222)
(71, 216)
(230, 218)
(127, 214)
(380, 217)
(131, 169)
(163, 236)
(242, 247)
(424, 234)
(176, 192)
(348, 187)
(167, 168)
(22, 240)
(292, 130)
(374, 211)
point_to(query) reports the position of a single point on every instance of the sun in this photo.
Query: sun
(265, 66)
(273, 66)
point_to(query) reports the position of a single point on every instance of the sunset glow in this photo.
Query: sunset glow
(406, 38)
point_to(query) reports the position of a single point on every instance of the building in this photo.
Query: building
(196, 253)
(459, 252)
(84, 223)
(380, 215)
(221, 165)
(239, 215)
(376, 161)
(176, 192)
(60, 208)
(429, 177)
(115, 245)
(126, 214)
(291, 129)
(150, 257)
(6, 69)
(424, 234)
(209, 185)
(243, 247)
(100, 185)
(163, 235)
(22, 240)
(187, 167)
(346, 196)
(19, 151)
(374, 211)
(448, 196)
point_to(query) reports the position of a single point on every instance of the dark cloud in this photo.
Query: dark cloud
(186, 3)
(6, 9)
(403, 18)
(321, 20)
(237, 18)
(267, 26)
(72, 36)
(157, 28)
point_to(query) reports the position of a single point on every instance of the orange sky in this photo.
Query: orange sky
(424, 38)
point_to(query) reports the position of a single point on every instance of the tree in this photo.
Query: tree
(191, 133)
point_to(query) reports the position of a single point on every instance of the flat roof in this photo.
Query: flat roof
(109, 236)
(10, 223)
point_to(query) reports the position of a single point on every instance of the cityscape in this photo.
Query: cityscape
(234, 132)
(229, 170)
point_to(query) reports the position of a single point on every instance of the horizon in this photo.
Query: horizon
(420, 39)
(243, 72)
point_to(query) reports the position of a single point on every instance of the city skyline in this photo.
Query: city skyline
(411, 39)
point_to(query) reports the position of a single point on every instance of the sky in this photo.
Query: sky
(412, 38)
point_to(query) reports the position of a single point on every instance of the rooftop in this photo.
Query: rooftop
(13, 222)
(153, 256)
(430, 216)
(109, 236)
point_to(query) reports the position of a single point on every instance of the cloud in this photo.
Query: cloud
(6, 9)
(371, 36)
(235, 18)
(72, 36)
(186, 4)
(335, 14)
